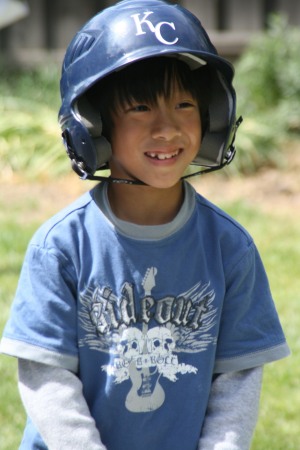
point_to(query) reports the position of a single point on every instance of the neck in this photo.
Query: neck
(145, 205)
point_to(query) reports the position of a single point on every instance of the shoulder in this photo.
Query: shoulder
(219, 221)
(66, 223)
(221, 236)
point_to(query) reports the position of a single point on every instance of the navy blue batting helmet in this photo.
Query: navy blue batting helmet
(123, 34)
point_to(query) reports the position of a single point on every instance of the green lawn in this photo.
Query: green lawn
(278, 240)
(279, 245)
(14, 237)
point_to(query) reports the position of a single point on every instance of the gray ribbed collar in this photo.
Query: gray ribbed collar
(145, 232)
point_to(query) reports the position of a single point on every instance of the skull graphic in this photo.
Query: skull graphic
(131, 343)
(160, 341)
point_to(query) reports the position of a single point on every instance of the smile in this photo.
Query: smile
(163, 156)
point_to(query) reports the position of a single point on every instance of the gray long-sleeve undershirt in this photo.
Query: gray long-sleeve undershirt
(54, 401)
(232, 411)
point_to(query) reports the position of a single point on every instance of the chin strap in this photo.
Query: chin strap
(83, 175)
(230, 154)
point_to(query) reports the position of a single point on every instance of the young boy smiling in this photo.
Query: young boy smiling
(156, 135)
(143, 314)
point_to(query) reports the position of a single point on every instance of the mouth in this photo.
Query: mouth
(163, 156)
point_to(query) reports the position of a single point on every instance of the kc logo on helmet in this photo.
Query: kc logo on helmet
(141, 23)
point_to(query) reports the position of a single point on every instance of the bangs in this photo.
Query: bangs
(147, 80)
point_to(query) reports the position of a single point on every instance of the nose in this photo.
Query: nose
(164, 126)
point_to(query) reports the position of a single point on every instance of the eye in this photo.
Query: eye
(140, 108)
(185, 105)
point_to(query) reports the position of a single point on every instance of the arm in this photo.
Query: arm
(232, 411)
(53, 399)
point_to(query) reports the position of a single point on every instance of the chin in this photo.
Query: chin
(163, 184)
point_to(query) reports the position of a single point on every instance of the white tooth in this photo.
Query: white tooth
(167, 156)
(162, 156)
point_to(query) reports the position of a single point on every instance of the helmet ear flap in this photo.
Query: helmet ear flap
(216, 139)
(88, 150)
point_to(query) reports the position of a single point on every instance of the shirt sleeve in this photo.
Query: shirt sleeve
(250, 332)
(232, 411)
(43, 322)
(53, 399)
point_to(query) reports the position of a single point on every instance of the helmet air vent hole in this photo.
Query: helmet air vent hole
(81, 45)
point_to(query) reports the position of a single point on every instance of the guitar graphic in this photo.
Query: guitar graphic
(146, 394)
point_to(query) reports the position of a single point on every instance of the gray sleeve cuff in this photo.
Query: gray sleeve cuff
(250, 360)
(23, 350)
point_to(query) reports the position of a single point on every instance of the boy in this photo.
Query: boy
(143, 315)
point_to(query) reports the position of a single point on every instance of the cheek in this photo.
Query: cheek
(119, 139)
(195, 131)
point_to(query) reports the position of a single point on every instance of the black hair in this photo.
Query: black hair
(145, 81)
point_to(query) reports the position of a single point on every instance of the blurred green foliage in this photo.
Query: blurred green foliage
(41, 84)
(268, 91)
(30, 142)
(268, 72)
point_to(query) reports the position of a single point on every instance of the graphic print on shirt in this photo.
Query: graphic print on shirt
(143, 356)
(146, 393)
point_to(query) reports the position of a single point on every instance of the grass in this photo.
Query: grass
(14, 237)
(278, 243)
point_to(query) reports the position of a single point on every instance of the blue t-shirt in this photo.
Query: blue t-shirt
(144, 315)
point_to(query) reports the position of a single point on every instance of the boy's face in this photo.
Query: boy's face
(155, 143)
